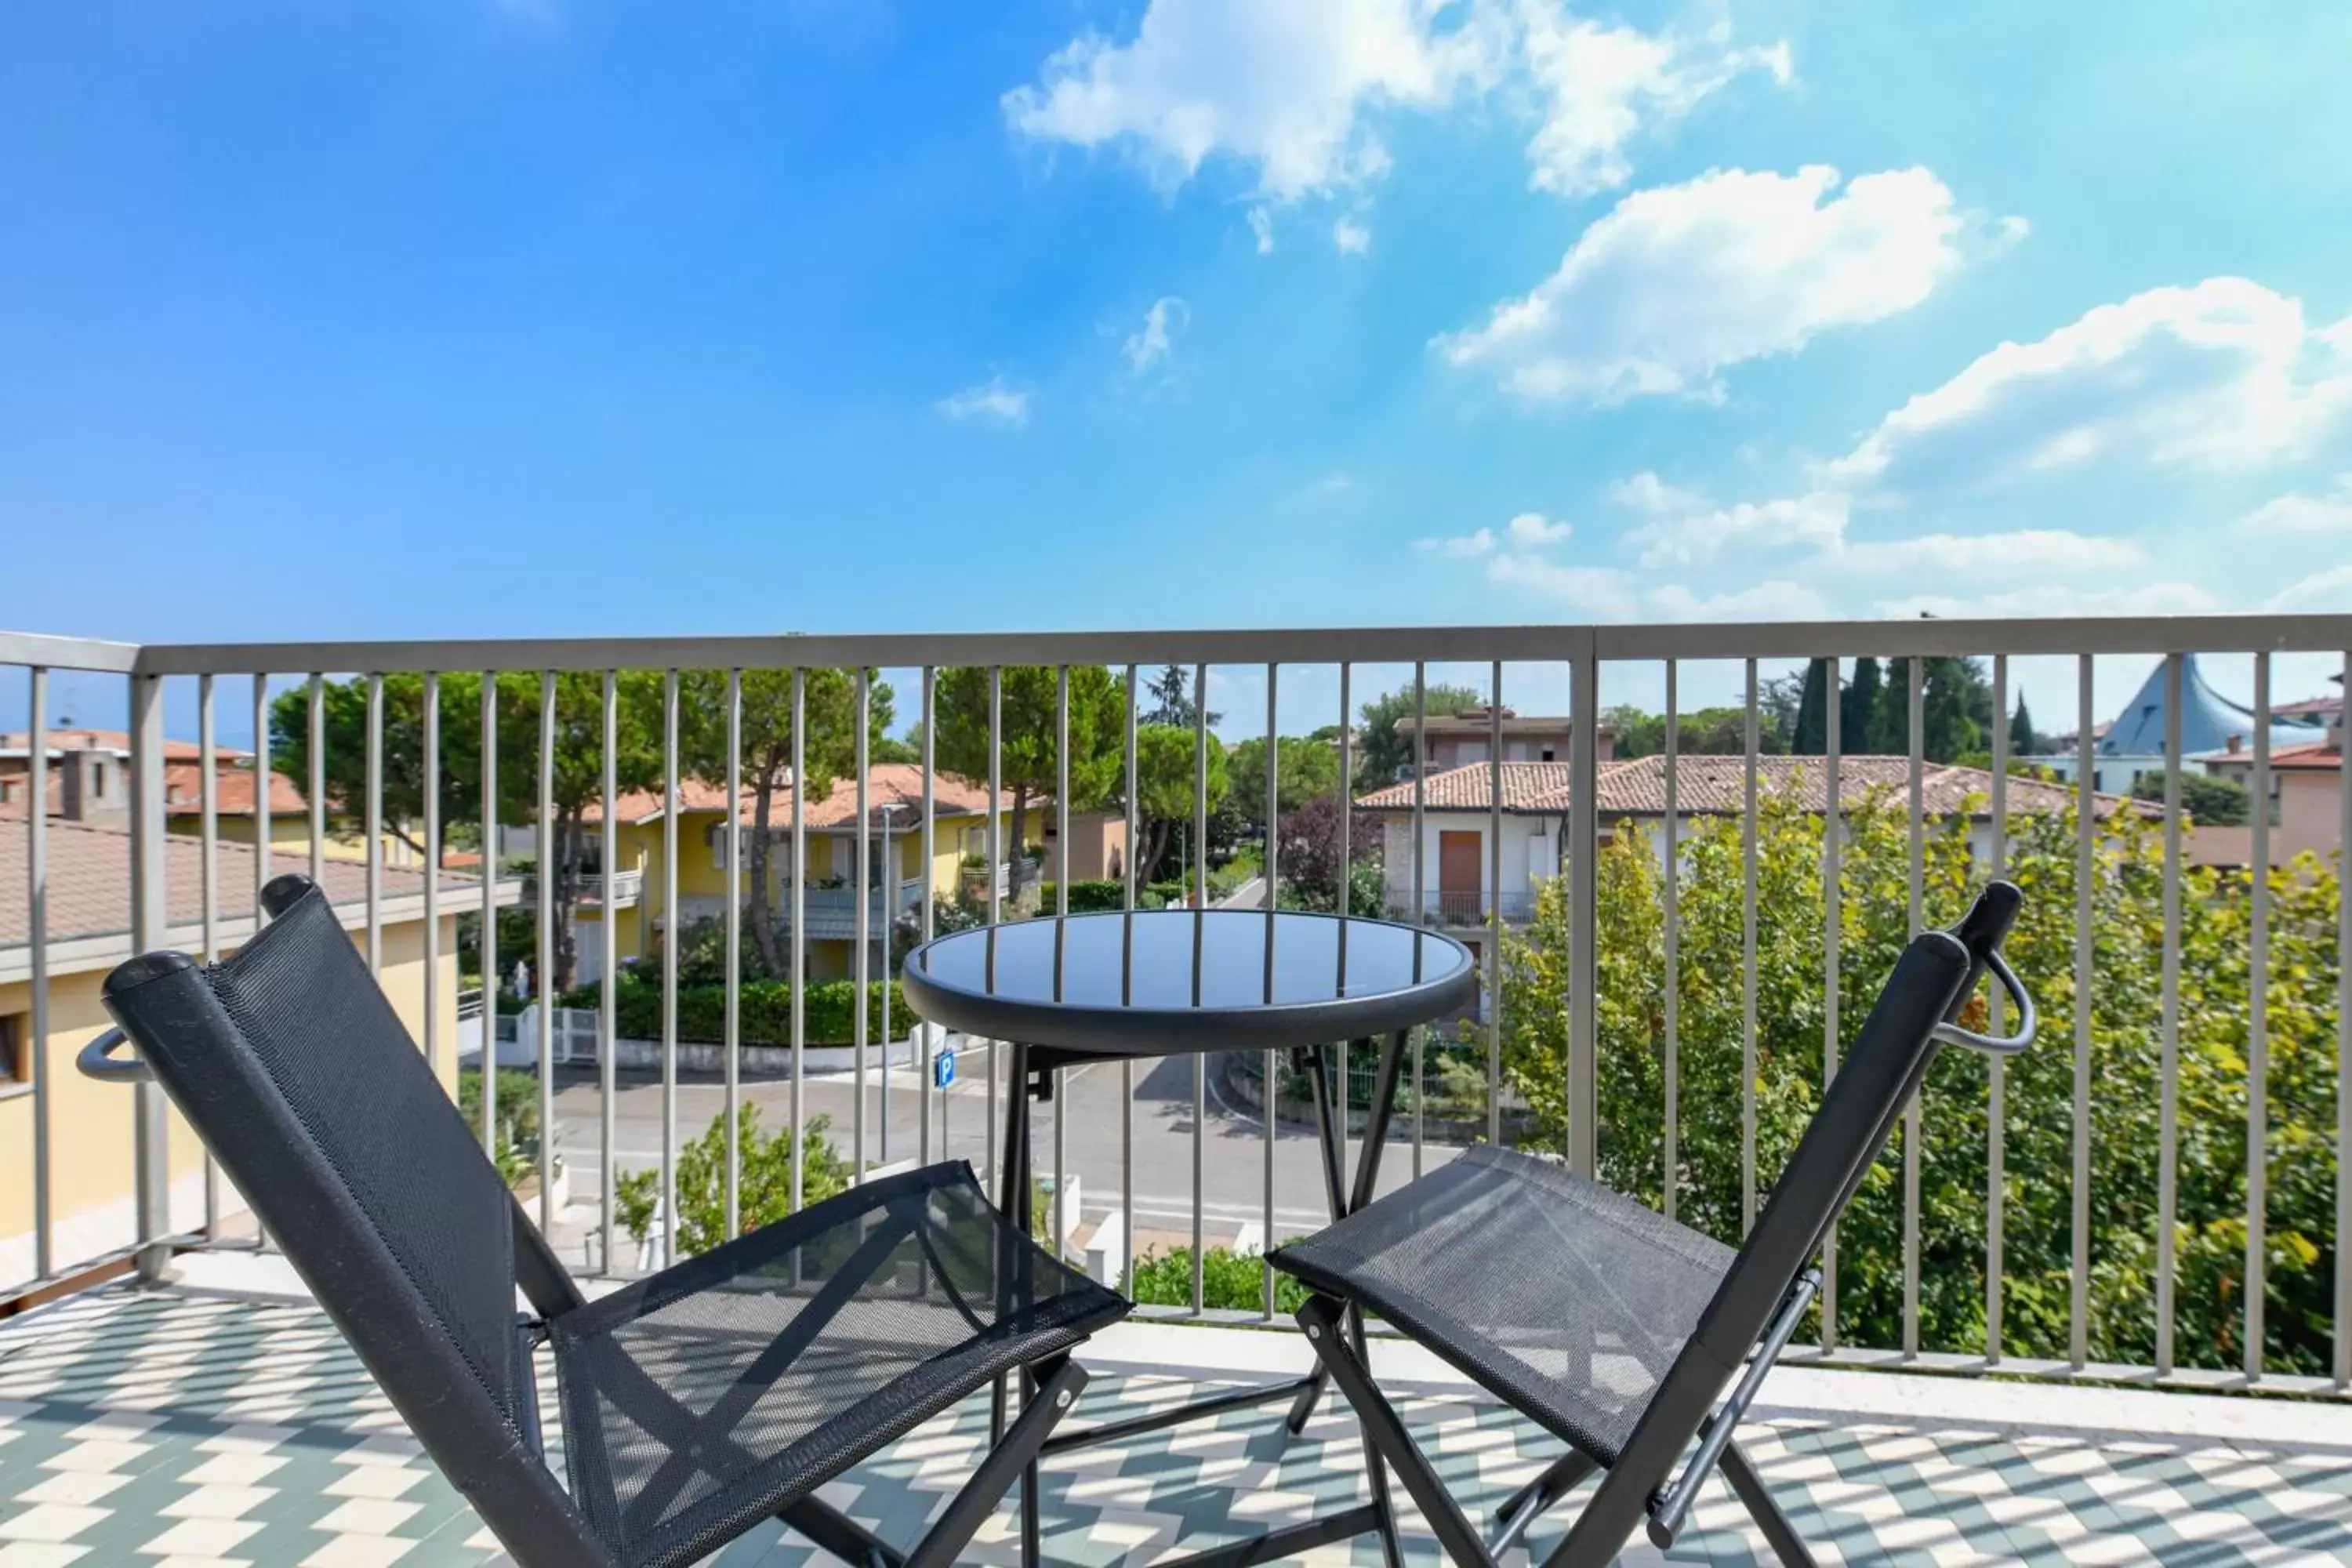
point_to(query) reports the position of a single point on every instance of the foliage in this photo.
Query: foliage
(764, 1180)
(1087, 895)
(1029, 739)
(1873, 712)
(2212, 801)
(1307, 846)
(1170, 697)
(1164, 801)
(1708, 732)
(1386, 743)
(516, 1146)
(2125, 1061)
(1304, 770)
(763, 1011)
(1230, 1281)
(2025, 740)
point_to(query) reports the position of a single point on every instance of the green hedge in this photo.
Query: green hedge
(1086, 897)
(1230, 1281)
(766, 1016)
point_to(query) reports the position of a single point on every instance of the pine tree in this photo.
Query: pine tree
(1859, 706)
(1814, 711)
(2022, 741)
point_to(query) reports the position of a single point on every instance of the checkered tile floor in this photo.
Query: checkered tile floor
(181, 1429)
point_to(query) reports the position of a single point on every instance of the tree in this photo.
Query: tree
(1305, 770)
(1306, 842)
(2023, 740)
(829, 702)
(1708, 732)
(1955, 708)
(2211, 801)
(1387, 745)
(1164, 797)
(1170, 692)
(1029, 739)
(1812, 738)
(1858, 709)
(578, 758)
(764, 1180)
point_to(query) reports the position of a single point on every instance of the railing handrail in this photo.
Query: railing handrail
(2252, 633)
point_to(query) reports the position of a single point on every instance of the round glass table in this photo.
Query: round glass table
(1155, 983)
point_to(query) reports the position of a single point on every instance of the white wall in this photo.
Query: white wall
(1522, 853)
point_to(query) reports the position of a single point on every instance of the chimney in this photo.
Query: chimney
(2237, 744)
(94, 787)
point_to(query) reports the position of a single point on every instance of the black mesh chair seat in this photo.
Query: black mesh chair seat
(697, 1403)
(1565, 1299)
(704, 1399)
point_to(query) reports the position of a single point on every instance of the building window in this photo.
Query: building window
(16, 1049)
(1547, 756)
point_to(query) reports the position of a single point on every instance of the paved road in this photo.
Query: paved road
(1233, 1141)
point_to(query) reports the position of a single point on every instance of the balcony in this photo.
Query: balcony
(2133, 1229)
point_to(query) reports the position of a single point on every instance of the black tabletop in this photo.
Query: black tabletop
(1159, 982)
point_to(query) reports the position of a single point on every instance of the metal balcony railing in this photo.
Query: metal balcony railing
(2114, 1204)
(1461, 909)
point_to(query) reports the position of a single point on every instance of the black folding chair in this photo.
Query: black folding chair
(697, 1403)
(1610, 1326)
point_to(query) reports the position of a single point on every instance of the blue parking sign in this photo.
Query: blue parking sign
(944, 1068)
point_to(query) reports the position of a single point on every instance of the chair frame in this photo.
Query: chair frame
(168, 1011)
(1755, 1310)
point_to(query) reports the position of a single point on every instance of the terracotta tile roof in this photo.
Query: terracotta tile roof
(2318, 757)
(232, 792)
(80, 740)
(89, 880)
(1707, 785)
(888, 784)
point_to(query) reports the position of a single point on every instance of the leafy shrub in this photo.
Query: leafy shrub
(1230, 1281)
(1087, 896)
(765, 1016)
(764, 1193)
(516, 1147)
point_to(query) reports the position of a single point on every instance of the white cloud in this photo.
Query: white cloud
(1462, 546)
(2328, 591)
(2296, 514)
(1153, 342)
(1293, 88)
(1684, 531)
(1683, 280)
(1601, 592)
(1600, 83)
(1605, 592)
(992, 399)
(1955, 554)
(1773, 601)
(2047, 601)
(1261, 224)
(1646, 492)
(1533, 531)
(2226, 373)
(1352, 237)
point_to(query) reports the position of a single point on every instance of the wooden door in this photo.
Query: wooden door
(1458, 855)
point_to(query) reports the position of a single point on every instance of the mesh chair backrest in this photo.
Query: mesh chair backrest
(298, 1074)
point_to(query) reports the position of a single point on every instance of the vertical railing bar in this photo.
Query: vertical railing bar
(318, 717)
(1131, 787)
(1584, 906)
(1747, 961)
(1061, 911)
(149, 928)
(37, 933)
(1671, 892)
(429, 700)
(930, 862)
(1832, 903)
(1495, 904)
(2341, 1353)
(995, 862)
(1199, 901)
(1915, 887)
(1272, 875)
(487, 943)
(730, 825)
(798, 964)
(1347, 874)
(265, 816)
(1420, 883)
(542, 989)
(2085, 823)
(2258, 1042)
(209, 878)
(1996, 1089)
(863, 968)
(671, 930)
(608, 935)
(372, 822)
(2167, 1166)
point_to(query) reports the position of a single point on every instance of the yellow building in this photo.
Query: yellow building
(91, 1163)
(895, 801)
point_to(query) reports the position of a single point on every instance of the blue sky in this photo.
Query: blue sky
(547, 316)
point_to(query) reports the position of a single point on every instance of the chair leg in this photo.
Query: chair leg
(1385, 1437)
(833, 1531)
(1777, 1532)
(1522, 1507)
(1057, 1390)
